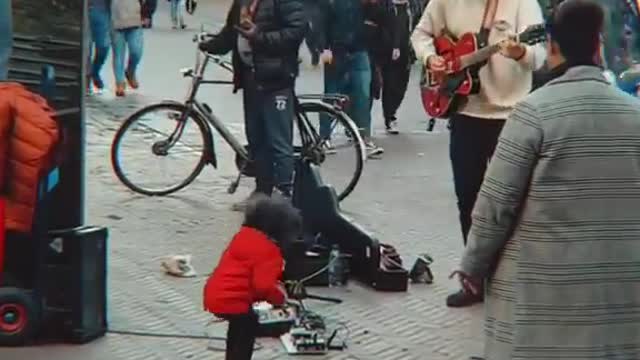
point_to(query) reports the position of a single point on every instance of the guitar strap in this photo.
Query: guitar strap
(490, 10)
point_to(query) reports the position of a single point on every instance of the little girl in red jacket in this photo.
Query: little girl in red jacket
(250, 269)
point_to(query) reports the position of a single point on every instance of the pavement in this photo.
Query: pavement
(406, 199)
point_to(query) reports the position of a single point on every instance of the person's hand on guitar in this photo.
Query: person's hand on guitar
(437, 65)
(512, 49)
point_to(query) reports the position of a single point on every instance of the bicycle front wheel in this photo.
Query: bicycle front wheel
(160, 149)
(331, 140)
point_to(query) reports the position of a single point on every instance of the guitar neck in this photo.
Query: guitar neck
(478, 56)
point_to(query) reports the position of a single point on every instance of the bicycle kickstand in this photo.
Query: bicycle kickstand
(234, 184)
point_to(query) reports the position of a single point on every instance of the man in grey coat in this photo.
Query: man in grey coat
(556, 227)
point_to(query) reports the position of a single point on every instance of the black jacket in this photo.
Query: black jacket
(350, 25)
(544, 75)
(281, 27)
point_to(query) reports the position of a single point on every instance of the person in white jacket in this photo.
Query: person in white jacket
(504, 81)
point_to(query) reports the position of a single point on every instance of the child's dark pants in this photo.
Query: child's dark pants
(241, 335)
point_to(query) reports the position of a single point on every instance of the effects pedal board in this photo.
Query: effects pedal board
(273, 321)
(300, 341)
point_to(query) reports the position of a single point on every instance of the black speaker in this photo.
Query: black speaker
(75, 285)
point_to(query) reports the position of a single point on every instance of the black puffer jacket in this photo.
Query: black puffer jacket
(281, 26)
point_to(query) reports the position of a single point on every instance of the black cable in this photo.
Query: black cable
(165, 335)
(178, 336)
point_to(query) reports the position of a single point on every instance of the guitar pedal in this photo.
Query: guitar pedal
(272, 321)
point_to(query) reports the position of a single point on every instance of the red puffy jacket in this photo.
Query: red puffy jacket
(249, 271)
(28, 139)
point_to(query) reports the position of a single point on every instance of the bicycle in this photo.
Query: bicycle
(312, 146)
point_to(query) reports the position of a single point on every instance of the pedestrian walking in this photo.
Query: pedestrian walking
(127, 37)
(151, 7)
(315, 26)
(555, 228)
(100, 32)
(265, 43)
(347, 68)
(398, 58)
(504, 81)
(177, 14)
(6, 37)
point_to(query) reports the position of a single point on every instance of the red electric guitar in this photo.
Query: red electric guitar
(441, 97)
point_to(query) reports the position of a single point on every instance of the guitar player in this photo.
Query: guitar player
(504, 80)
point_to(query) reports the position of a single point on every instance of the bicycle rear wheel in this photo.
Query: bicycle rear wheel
(152, 137)
(338, 149)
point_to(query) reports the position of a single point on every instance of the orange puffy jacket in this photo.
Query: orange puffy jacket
(28, 138)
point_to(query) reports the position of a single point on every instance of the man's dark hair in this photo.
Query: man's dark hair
(275, 216)
(576, 25)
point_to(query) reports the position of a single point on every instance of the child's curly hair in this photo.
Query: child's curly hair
(275, 216)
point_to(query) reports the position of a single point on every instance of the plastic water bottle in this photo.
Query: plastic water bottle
(335, 267)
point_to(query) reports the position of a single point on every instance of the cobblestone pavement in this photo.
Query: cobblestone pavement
(405, 198)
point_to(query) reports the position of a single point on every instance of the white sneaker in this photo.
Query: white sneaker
(392, 128)
(373, 150)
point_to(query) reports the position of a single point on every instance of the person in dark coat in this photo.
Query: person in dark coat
(264, 37)
(345, 43)
(397, 57)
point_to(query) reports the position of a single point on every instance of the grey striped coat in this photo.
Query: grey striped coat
(556, 227)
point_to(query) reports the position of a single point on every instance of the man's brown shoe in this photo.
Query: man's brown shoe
(131, 79)
(120, 90)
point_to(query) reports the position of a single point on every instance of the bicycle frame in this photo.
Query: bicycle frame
(307, 132)
(204, 111)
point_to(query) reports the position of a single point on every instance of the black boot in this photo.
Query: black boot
(463, 299)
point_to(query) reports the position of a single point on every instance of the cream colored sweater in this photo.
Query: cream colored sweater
(504, 82)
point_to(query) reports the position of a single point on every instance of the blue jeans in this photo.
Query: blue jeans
(350, 74)
(6, 37)
(100, 25)
(131, 39)
(177, 12)
(269, 129)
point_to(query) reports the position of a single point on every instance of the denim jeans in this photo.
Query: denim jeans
(6, 37)
(100, 25)
(131, 39)
(269, 129)
(177, 12)
(350, 74)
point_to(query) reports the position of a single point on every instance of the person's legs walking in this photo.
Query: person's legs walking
(471, 145)
(119, 46)
(180, 14)
(330, 87)
(360, 92)
(100, 25)
(241, 336)
(174, 13)
(135, 44)
(278, 117)
(6, 37)
(395, 81)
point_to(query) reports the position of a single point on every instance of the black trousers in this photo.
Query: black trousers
(471, 146)
(395, 79)
(241, 336)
